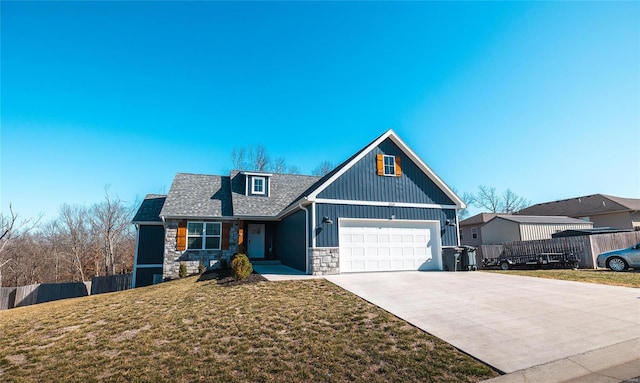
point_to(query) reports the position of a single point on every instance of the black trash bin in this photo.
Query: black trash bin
(468, 258)
(451, 258)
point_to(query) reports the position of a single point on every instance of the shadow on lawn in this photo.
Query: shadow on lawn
(225, 278)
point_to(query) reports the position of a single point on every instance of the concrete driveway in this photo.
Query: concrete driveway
(509, 322)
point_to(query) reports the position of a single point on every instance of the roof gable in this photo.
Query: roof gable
(446, 194)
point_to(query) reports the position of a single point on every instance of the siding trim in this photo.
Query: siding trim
(313, 229)
(380, 203)
(149, 266)
(135, 258)
(421, 165)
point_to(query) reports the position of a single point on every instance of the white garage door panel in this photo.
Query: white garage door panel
(384, 245)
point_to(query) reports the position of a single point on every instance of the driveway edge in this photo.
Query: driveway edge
(601, 364)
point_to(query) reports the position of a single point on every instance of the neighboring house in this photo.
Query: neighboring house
(601, 209)
(382, 209)
(510, 228)
(471, 229)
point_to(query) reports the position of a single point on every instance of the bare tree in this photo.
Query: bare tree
(512, 203)
(468, 199)
(28, 265)
(259, 158)
(75, 236)
(323, 168)
(11, 229)
(238, 158)
(487, 198)
(279, 165)
(506, 203)
(50, 235)
(254, 158)
(292, 169)
(111, 222)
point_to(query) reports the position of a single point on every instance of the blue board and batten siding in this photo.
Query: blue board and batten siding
(150, 252)
(362, 183)
(327, 233)
(290, 242)
(150, 245)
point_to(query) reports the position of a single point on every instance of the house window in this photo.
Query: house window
(257, 185)
(474, 232)
(389, 165)
(204, 235)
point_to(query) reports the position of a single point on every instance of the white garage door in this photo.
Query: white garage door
(385, 245)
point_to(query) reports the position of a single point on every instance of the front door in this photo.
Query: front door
(255, 246)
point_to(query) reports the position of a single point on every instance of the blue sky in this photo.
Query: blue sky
(539, 97)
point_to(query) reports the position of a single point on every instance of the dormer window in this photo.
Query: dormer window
(257, 185)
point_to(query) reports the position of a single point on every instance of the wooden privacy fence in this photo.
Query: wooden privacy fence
(11, 297)
(587, 247)
(110, 283)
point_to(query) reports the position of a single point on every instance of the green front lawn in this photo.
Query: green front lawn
(605, 277)
(184, 331)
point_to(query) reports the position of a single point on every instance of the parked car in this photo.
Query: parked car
(621, 259)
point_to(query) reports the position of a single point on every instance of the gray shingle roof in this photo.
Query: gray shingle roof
(541, 219)
(478, 219)
(149, 210)
(198, 195)
(584, 206)
(201, 195)
(284, 189)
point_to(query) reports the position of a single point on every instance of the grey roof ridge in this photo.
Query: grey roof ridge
(515, 217)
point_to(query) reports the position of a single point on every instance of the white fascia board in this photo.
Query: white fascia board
(199, 217)
(294, 206)
(257, 174)
(256, 218)
(430, 221)
(381, 203)
(427, 170)
(348, 166)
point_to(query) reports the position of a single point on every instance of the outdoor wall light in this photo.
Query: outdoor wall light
(450, 222)
(393, 216)
(327, 220)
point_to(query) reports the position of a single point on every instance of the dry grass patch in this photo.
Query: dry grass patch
(186, 331)
(605, 277)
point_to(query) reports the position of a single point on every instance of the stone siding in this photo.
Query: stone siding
(324, 260)
(192, 258)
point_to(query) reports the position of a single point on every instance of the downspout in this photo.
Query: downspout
(306, 237)
(458, 229)
(135, 258)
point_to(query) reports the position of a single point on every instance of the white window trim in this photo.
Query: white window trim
(204, 236)
(253, 185)
(474, 232)
(384, 166)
